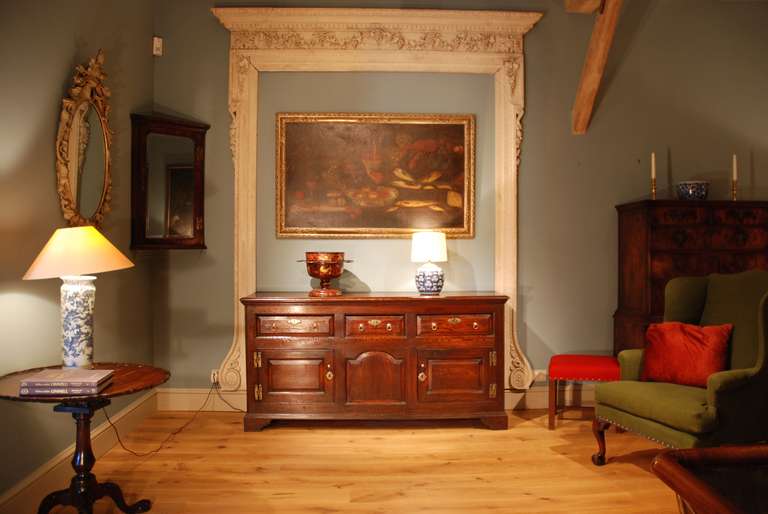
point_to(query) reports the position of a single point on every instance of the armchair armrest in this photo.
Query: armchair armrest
(631, 364)
(727, 381)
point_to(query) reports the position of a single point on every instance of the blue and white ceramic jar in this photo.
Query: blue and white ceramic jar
(78, 296)
(429, 280)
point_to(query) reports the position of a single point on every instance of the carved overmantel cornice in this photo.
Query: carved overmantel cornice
(360, 29)
(417, 40)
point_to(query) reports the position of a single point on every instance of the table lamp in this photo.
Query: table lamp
(69, 254)
(429, 248)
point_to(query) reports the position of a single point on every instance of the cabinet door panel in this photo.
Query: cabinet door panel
(455, 375)
(376, 378)
(296, 375)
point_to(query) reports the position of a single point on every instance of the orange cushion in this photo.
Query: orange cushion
(684, 354)
(584, 367)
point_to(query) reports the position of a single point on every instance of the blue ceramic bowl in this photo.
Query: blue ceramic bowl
(692, 190)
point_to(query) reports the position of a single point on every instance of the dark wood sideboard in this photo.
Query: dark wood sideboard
(375, 357)
(663, 239)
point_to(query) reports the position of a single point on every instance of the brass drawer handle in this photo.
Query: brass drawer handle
(454, 321)
(273, 326)
(389, 327)
(314, 325)
(475, 325)
(434, 326)
(361, 327)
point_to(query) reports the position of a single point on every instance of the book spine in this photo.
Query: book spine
(58, 391)
(44, 383)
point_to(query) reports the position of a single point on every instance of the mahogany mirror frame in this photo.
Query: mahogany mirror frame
(142, 125)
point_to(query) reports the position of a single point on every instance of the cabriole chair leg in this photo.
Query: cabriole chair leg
(598, 428)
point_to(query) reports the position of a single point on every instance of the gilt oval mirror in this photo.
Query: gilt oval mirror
(83, 147)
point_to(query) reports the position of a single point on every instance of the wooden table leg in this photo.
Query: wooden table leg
(84, 489)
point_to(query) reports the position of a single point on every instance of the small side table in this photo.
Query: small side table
(84, 489)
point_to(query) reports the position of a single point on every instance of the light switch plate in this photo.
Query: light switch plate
(157, 46)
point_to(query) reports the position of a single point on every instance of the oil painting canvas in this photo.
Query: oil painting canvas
(366, 175)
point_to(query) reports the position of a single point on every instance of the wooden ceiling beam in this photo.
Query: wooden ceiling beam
(594, 65)
(582, 6)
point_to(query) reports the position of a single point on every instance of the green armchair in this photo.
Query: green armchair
(733, 408)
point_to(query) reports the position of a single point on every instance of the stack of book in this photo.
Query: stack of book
(66, 382)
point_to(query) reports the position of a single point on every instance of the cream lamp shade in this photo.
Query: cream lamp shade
(428, 247)
(71, 254)
(76, 251)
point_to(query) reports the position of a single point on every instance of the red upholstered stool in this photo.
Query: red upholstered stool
(578, 368)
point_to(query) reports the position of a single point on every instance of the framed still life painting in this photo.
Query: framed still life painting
(373, 175)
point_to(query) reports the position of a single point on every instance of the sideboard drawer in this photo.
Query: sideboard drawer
(679, 238)
(455, 324)
(372, 326)
(740, 216)
(295, 325)
(739, 238)
(678, 215)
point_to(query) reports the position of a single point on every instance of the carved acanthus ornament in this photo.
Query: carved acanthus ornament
(378, 38)
(235, 99)
(87, 92)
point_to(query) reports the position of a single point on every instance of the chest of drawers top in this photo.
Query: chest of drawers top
(264, 297)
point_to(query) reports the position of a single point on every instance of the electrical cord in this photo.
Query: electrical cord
(214, 387)
(221, 397)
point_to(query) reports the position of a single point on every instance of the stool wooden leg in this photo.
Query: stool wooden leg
(553, 387)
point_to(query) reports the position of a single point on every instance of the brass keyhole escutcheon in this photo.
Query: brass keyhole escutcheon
(422, 377)
(329, 373)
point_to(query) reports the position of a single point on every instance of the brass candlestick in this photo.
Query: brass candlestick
(734, 182)
(653, 188)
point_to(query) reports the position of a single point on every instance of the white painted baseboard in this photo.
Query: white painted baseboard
(55, 474)
(192, 398)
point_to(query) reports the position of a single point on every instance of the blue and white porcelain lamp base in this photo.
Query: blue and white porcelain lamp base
(429, 279)
(78, 297)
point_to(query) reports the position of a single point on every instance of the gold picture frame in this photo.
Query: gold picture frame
(374, 175)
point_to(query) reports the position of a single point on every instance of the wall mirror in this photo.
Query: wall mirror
(167, 161)
(83, 147)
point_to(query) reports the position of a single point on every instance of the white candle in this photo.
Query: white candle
(653, 165)
(735, 169)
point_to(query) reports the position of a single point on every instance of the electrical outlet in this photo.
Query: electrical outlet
(214, 376)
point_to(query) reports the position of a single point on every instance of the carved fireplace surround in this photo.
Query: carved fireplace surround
(403, 40)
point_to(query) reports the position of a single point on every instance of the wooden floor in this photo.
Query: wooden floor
(214, 467)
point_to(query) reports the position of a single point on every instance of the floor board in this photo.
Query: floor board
(213, 466)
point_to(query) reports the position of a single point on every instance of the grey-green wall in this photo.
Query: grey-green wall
(685, 79)
(40, 44)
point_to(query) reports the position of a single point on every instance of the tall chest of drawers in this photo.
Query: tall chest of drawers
(663, 239)
(375, 357)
